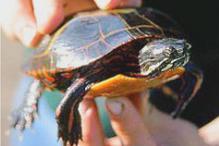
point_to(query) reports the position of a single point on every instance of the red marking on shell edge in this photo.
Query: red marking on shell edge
(47, 75)
(51, 79)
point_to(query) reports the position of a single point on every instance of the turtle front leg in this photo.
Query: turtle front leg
(25, 115)
(67, 114)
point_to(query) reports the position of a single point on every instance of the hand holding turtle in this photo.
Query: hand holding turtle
(136, 128)
(29, 20)
(126, 122)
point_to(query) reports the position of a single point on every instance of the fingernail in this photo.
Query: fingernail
(114, 106)
(85, 105)
(103, 4)
(109, 4)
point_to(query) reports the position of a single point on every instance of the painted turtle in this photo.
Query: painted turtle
(107, 53)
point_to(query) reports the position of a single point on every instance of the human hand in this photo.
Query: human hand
(126, 121)
(29, 20)
(210, 132)
(136, 124)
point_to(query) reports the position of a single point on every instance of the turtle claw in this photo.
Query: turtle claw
(23, 118)
(69, 129)
(76, 133)
(26, 114)
(62, 129)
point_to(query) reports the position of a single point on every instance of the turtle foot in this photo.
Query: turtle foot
(67, 114)
(23, 118)
(69, 127)
(27, 112)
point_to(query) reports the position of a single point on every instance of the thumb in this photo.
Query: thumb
(127, 122)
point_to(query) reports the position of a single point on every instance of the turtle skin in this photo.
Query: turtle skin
(106, 53)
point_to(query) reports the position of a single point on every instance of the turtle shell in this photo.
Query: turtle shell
(88, 36)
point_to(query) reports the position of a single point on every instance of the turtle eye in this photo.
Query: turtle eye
(175, 52)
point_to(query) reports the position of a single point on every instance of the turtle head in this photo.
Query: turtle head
(161, 55)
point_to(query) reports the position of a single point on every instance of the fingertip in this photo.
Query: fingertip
(122, 112)
(30, 38)
(86, 105)
(91, 125)
(119, 106)
(49, 15)
(25, 30)
(47, 26)
(127, 122)
(21, 23)
(111, 4)
(104, 4)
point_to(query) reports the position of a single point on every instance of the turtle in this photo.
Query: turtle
(108, 53)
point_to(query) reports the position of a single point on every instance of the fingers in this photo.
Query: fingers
(127, 122)
(19, 22)
(74, 6)
(49, 14)
(91, 127)
(110, 4)
(25, 28)
(28, 20)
